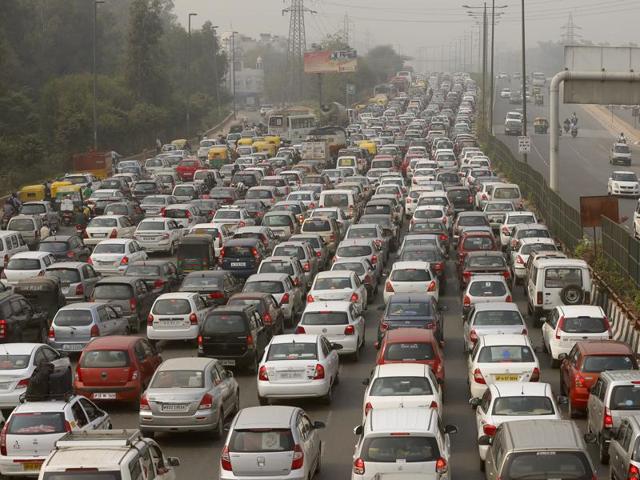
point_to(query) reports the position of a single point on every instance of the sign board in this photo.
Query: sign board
(328, 61)
(582, 58)
(351, 89)
(592, 208)
(524, 144)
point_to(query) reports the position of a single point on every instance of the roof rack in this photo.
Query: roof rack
(100, 439)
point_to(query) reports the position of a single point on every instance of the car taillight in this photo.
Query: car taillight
(114, 233)
(3, 328)
(466, 301)
(206, 403)
(133, 374)
(188, 215)
(535, 375)
(124, 261)
(319, 372)
(508, 299)
(559, 327)
(158, 284)
(71, 254)
(23, 383)
(389, 287)
(506, 274)
(519, 260)
(374, 259)
(95, 331)
(489, 429)
(438, 267)
(249, 341)
(384, 326)
(144, 403)
(6, 260)
(477, 376)
(332, 238)
(607, 325)
(632, 474)
(358, 466)
(225, 459)
(3, 440)
(539, 298)
(52, 333)
(193, 319)
(579, 381)
(89, 261)
(434, 404)
(200, 347)
(297, 461)
(216, 295)
(469, 199)
(432, 286)
(349, 330)
(607, 422)
(300, 329)
(312, 205)
(150, 320)
(307, 267)
(254, 252)
(133, 304)
(441, 466)
(285, 299)
(266, 318)
(263, 376)
(354, 297)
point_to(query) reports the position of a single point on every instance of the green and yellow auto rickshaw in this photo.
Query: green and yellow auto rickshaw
(195, 253)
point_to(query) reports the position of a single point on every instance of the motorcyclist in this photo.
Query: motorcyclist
(567, 124)
(15, 201)
(622, 138)
(574, 119)
(67, 204)
(86, 193)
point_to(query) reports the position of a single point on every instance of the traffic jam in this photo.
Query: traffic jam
(282, 259)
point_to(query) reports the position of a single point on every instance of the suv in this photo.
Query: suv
(114, 453)
(615, 395)
(20, 321)
(242, 256)
(235, 335)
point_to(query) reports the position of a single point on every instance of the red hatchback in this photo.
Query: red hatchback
(581, 368)
(475, 241)
(412, 345)
(116, 368)
(188, 166)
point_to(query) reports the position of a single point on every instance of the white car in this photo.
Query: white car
(17, 363)
(565, 325)
(218, 231)
(33, 428)
(505, 93)
(25, 265)
(520, 257)
(233, 218)
(340, 322)
(176, 316)
(501, 358)
(411, 277)
(308, 198)
(338, 286)
(511, 219)
(114, 255)
(402, 385)
(298, 366)
(184, 214)
(159, 234)
(431, 213)
(108, 226)
(485, 288)
(492, 318)
(509, 402)
(333, 212)
(623, 183)
(152, 205)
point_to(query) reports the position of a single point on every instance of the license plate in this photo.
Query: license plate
(228, 363)
(507, 378)
(98, 235)
(288, 375)
(175, 407)
(171, 323)
(31, 466)
(74, 347)
(238, 264)
(104, 396)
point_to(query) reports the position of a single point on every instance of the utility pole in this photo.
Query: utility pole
(95, 75)
(215, 68)
(233, 73)
(524, 86)
(493, 27)
(297, 44)
(484, 65)
(189, 75)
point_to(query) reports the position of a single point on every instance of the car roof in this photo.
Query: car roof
(45, 406)
(561, 262)
(525, 241)
(81, 306)
(581, 310)
(418, 335)
(622, 375)
(335, 273)
(604, 347)
(119, 279)
(177, 295)
(273, 416)
(515, 389)
(112, 341)
(116, 241)
(277, 277)
(557, 435)
(295, 338)
(493, 306)
(31, 254)
(242, 242)
(487, 278)
(401, 370)
(328, 306)
(409, 265)
(185, 363)
(59, 265)
(18, 348)
(401, 420)
(504, 339)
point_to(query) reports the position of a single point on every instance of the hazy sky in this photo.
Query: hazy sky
(412, 24)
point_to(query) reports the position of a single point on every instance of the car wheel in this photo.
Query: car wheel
(573, 413)
(252, 368)
(236, 404)
(319, 462)
(218, 431)
(603, 452)
(263, 401)
(329, 396)
(554, 363)
(355, 356)
(148, 433)
(172, 250)
(44, 334)
(481, 465)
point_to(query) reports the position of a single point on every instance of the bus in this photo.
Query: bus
(291, 126)
(538, 79)
(385, 89)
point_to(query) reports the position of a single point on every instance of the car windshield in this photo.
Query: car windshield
(497, 318)
(523, 406)
(336, 200)
(113, 291)
(34, 423)
(73, 318)
(600, 363)
(477, 243)
(105, 359)
(410, 275)
(178, 379)
(14, 362)
(143, 271)
(23, 264)
(261, 440)
(149, 226)
(65, 275)
(354, 251)
(487, 289)
(292, 351)
(547, 464)
(404, 386)
(316, 225)
(53, 247)
(584, 325)
(21, 224)
(409, 352)
(562, 277)
(198, 280)
(171, 306)
(109, 248)
(621, 149)
(506, 353)
(400, 448)
(185, 190)
(32, 209)
(502, 193)
(332, 283)
(325, 318)
(264, 286)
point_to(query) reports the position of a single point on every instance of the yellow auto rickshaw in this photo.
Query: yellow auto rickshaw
(56, 185)
(74, 192)
(369, 146)
(275, 139)
(181, 144)
(540, 125)
(219, 155)
(264, 146)
(245, 141)
(31, 193)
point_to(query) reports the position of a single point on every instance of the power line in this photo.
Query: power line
(571, 36)
(297, 44)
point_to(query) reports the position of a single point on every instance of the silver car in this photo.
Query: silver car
(290, 297)
(490, 319)
(189, 394)
(77, 279)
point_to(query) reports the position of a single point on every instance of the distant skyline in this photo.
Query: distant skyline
(410, 25)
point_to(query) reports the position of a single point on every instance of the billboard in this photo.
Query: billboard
(331, 61)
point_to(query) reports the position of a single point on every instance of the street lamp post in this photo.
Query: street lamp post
(215, 68)
(95, 75)
(493, 27)
(189, 74)
(233, 72)
(524, 87)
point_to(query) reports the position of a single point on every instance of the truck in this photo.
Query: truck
(316, 150)
(336, 138)
(99, 164)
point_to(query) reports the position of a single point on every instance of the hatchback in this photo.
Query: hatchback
(289, 265)
(242, 256)
(338, 286)
(176, 316)
(408, 310)
(77, 279)
(289, 296)
(116, 368)
(303, 252)
(216, 285)
(484, 289)
(65, 248)
(411, 277)
(108, 226)
(189, 394)
(362, 248)
(26, 264)
(160, 276)
(157, 234)
(492, 318)
(267, 307)
(128, 295)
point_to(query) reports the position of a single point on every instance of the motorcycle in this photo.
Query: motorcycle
(574, 131)
(67, 217)
(566, 128)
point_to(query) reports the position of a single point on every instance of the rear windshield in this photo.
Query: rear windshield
(227, 214)
(583, 325)
(200, 280)
(154, 201)
(314, 225)
(21, 225)
(109, 248)
(217, 323)
(485, 261)
(562, 277)
(413, 309)
(625, 397)
(277, 221)
(259, 194)
(177, 213)
(356, 267)
(53, 247)
(354, 251)
(505, 353)
(477, 243)
(105, 359)
(36, 423)
(233, 252)
(523, 406)
(23, 264)
(116, 209)
(405, 386)
(32, 209)
(289, 251)
(73, 318)
(293, 351)
(14, 362)
(264, 286)
(472, 221)
(428, 213)
(400, 448)
(143, 270)
(144, 187)
(497, 318)
(505, 193)
(516, 219)
(149, 226)
(376, 210)
(332, 283)
(362, 233)
(325, 318)
(600, 363)
(184, 190)
(103, 222)
(113, 291)
(499, 207)
(410, 275)
(487, 289)
(172, 306)
(409, 352)
(336, 200)
(178, 379)
(276, 267)
(538, 247)
(65, 275)
(421, 255)
(261, 440)
(547, 464)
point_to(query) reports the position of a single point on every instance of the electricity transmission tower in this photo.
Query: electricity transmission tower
(571, 36)
(296, 46)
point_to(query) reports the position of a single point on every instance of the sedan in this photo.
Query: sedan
(114, 256)
(108, 226)
(411, 277)
(484, 289)
(298, 366)
(189, 394)
(493, 318)
(338, 286)
(159, 234)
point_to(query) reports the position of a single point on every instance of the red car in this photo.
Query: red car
(475, 241)
(116, 368)
(188, 166)
(582, 367)
(412, 345)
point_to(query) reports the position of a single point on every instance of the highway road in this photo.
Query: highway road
(584, 162)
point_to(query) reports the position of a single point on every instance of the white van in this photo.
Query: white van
(342, 198)
(557, 281)
(10, 244)
(508, 191)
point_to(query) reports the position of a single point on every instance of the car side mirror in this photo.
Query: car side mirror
(358, 430)
(474, 402)
(173, 461)
(318, 425)
(229, 374)
(562, 400)
(485, 440)
(562, 357)
(366, 382)
(336, 346)
(450, 429)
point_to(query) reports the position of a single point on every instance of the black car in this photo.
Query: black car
(160, 276)
(410, 310)
(65, 248)
(20, 321)
(235, 335)
(217, 285)
(242, 256)
(461, 198)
